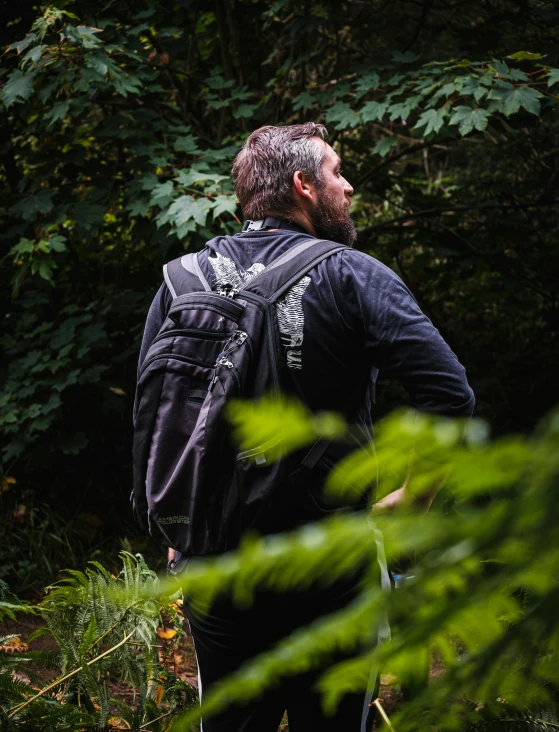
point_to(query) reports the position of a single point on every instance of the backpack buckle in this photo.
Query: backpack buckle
(225, 289)
(253, 225)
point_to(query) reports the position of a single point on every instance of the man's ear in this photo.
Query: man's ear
(303, 187)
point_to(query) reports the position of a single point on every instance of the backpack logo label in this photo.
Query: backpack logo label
(166, 520)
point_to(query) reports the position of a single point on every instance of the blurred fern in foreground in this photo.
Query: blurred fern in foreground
(484, 594)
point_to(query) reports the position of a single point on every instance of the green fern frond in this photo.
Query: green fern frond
(44, 659)
(12, 688)
(49, 715)
(103, 700)
(4, 639)
(39, 633)
(9, 609)
(88, 638)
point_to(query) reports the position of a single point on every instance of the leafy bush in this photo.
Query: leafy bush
(99, 641)
(119, 126)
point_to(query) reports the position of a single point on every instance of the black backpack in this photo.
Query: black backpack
(192, 491)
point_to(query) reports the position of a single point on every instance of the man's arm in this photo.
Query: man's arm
(404, 345)
(405, 496)
(155, 318)
(400, 339)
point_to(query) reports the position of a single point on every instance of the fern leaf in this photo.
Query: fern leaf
(12, 688)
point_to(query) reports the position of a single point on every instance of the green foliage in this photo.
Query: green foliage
(482, 592)
(89, 626)
(50, 359)
(469, 93)
(9, 604)
(119, 127)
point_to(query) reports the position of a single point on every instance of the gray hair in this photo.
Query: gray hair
(263, 169)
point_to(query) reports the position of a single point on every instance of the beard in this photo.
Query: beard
(331, 220)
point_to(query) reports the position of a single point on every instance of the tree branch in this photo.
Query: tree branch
(453, 209)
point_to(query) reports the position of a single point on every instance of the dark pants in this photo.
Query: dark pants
(226, 637)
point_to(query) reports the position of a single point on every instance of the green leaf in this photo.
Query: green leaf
(24, 246)
(372, 111)
(447, 90)
(479, 93)
(193, 176)
(405, 58)
(186, 208)
(553, 77)
(57, 243)
(82, 34)
(89, 215)
(138, 207)
(224, 204)
(29, 208)
(343, 114)
(500, 68)
(89, 636)
(518, 75)
(73, 443)
(472, 87)
(33, 55)
(468, 119)
(401, 110)
(432, 120)
(162, 194)
(384, 146)
(18, 88)
(97, 62)
(218, 82)
(244, 110)
(58, 111)
(20, 46)
(45, 268)
(512, 100)
(185, 143)
(366, 83)
(525, 56)
(303, 101)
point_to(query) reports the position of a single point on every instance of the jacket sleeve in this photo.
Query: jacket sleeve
(155, 319)
(400, 340)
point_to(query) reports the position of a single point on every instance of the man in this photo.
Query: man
(347, 319)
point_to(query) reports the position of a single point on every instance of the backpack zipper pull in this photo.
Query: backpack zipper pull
(236, 340)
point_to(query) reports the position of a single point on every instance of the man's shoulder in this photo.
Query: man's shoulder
(360, 266)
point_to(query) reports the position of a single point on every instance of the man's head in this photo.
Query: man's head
(290, 171)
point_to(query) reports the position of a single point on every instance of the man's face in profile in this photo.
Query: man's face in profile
(330, 216)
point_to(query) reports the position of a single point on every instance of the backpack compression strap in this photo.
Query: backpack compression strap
(284, 271)
(184, 275)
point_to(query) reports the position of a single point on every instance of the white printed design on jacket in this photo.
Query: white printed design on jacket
(289, 308)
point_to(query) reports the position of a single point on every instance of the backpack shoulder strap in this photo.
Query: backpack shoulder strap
(284, 271)
(184, 275)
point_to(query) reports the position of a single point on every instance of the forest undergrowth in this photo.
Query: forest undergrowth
(474, 622)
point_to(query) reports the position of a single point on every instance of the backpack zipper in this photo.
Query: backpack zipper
(177, 357)
(236, 340)
(200, 332)
(218, 302)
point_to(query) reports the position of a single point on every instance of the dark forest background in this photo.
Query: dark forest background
(119, 125)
